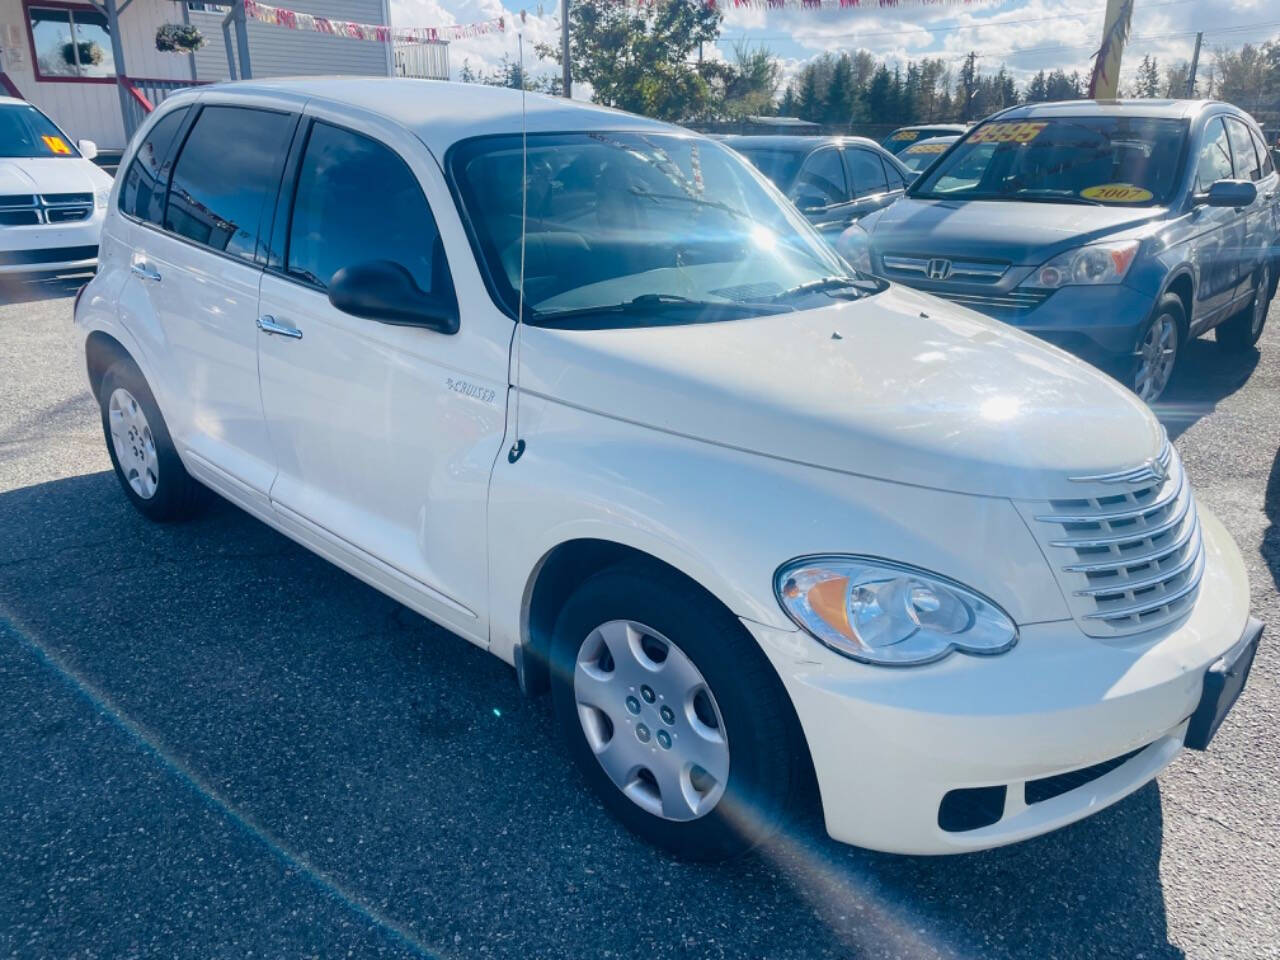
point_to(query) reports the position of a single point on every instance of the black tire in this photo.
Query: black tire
(1168, 309)
(1241, 332)
(768, 764)
(176, 496)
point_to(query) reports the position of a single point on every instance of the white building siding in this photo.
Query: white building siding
(280, 52)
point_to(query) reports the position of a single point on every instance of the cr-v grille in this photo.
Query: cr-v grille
(1128, 553)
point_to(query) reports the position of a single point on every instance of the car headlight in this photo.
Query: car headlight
(100, 197)
(1090, 264)
(882, 612)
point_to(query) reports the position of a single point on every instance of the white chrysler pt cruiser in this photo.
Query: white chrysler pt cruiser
(756, 522)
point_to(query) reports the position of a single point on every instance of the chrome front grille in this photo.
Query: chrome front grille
(20, 210)
(1015, 301)
(1128, 555)
(943, 269)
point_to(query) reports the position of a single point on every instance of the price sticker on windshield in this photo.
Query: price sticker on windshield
(1007, 133)
(928, 148)
(56, 145)
(906, 135)
(1116, 193)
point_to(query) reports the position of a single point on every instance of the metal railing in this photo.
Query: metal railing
(144, 95)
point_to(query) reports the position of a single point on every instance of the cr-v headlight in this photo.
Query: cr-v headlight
(1091, 264)
(882, 612)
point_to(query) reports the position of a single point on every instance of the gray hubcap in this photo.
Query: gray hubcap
(135, 447)
(1260, 300)
(651, 720)
(1156, 356)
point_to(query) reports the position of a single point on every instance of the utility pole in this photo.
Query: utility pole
(1105, 81)
(1195, 62)
(564, 48)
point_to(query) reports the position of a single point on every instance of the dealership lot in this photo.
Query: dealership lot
(213, 743)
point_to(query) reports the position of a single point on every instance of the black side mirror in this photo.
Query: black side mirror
(1229, 193)
(385, 291)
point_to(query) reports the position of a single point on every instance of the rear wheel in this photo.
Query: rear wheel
(1242, 331)
(1159, 347)
(146, 464)
(673, 714)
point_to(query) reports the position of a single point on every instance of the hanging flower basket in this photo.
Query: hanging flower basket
(90, 53)
(178, 38)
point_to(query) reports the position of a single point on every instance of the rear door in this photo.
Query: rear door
(200, 270)
(821, 190)
(869, 181)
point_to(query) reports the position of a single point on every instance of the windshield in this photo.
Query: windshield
(26, 132)
(778, 165)
(657, 228)
(1132, 161)
(919, 155)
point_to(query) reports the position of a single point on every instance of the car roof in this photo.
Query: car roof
(6, 101)
(1176, 109)
(442, 113)
(779, 141)
(956, 127)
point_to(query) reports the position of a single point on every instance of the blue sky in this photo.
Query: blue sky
(1024, 35)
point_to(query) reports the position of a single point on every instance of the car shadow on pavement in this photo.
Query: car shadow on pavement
(399, 765)
(26, 288)
(1271, 536)
(1206, 375)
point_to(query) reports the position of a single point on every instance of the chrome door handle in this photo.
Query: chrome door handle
(269, 326)
(145, 272)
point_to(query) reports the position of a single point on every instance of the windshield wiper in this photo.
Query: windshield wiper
(829, 284)
(655, 303)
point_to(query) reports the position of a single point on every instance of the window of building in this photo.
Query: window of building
(70, 44)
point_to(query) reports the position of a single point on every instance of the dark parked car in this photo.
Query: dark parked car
(833, 180)
(920, 154)
(1117, 230)
(904, 137)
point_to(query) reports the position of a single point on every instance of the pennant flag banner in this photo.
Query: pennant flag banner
(380, 33)
(835, 4)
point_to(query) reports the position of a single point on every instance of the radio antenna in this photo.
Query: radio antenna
(517, 448)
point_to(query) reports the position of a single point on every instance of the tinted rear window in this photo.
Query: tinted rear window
(142, 193)
(228, 168)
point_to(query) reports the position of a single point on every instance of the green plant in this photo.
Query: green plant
(178, 38)
(90, 53)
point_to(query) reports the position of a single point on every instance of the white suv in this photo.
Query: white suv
(53, 198)
(753, 521)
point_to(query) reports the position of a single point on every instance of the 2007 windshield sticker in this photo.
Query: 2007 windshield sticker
(906, 135)
(1116, 193)
(927, 148)
(56, 145)
(1007, 133)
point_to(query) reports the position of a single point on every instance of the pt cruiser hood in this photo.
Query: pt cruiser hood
(899, 386)
(1025, 234)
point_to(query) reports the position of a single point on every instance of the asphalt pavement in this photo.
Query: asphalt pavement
(215, 744)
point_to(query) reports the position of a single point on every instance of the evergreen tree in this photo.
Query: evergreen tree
(841, 92)
(1037, 89)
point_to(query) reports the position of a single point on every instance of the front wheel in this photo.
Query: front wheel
(673, 714)
(1158, 350)
(1242, 331)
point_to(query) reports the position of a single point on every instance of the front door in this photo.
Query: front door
(1219, 232)
(1257, 218)
(385, 435)
(200, 273)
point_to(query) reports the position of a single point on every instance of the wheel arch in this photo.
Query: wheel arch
(101, 350)
(1182, 285)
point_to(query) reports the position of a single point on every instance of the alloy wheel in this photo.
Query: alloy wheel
(1157, 354)
(651, 720)
(134, 444)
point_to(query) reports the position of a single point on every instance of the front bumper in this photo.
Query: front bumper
(889, 744)
(49, 247)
